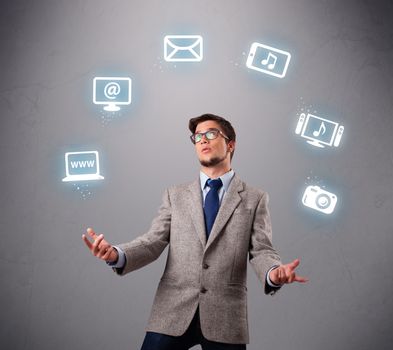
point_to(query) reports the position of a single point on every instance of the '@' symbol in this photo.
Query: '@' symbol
(111, 90)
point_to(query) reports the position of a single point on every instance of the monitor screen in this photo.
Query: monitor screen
(112, 90)
(319, 130)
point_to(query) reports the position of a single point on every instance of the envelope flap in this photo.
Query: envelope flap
(183, 42)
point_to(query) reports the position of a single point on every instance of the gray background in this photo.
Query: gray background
(54, 294)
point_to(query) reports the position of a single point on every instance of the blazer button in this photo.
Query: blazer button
(203, 290)
(205, 266)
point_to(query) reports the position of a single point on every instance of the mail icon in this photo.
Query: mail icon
(183, 48)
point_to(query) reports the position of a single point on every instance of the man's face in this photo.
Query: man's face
(212, 152)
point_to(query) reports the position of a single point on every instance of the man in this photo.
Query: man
(212, 226)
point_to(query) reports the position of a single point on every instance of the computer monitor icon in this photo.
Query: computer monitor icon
(112, 92)
(82, 166)
(319, 132)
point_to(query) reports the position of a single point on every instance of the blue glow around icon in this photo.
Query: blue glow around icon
(319, 199)
(319, 132)
(183, 48)
(268, 60)
(82, 166)
(112, 92)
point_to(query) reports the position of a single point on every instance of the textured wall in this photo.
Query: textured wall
(55, 295)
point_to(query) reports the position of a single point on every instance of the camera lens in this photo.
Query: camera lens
(323, 201)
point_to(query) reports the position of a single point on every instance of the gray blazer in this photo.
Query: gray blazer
(213, 273)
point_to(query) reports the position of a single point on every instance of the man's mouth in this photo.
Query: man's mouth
(205, 150)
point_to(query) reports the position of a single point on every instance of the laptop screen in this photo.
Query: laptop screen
(82, 163)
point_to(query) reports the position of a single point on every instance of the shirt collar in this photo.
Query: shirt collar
(226, 179)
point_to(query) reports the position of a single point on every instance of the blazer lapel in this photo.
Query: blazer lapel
(196, 210)
(229, 203)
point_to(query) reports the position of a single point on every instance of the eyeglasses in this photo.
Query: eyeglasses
(210, 135)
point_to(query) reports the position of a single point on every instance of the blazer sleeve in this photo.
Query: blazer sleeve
(262, 255)
(146, 248)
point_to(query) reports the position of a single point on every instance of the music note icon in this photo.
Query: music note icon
(270, 58)
(322, 129)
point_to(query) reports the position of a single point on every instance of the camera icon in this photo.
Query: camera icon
(316, 198)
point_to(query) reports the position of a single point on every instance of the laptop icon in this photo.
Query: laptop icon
(82, 166)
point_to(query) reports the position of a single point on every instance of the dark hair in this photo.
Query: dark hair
(225, 125)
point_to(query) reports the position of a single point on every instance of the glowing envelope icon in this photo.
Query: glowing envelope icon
(183, 48)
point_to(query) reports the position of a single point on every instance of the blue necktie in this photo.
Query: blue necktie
(212, 204)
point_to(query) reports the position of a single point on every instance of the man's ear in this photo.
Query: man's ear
(231, 145)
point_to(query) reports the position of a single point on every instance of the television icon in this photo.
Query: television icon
(112, 92)
(82, 166)
(268, 60)
(319, 132)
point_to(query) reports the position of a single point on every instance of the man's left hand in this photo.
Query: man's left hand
(286, 274)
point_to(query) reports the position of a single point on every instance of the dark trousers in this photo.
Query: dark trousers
(193, 336)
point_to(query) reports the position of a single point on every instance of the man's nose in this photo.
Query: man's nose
(204, 139)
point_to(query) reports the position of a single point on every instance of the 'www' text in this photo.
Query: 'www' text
(82, 164)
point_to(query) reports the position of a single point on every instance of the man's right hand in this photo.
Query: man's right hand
(99, 247)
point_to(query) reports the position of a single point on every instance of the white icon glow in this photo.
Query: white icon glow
(183, 48)
(268, 60)
(319, 132)
(319, 199)
(82, 166)
(112, 92)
